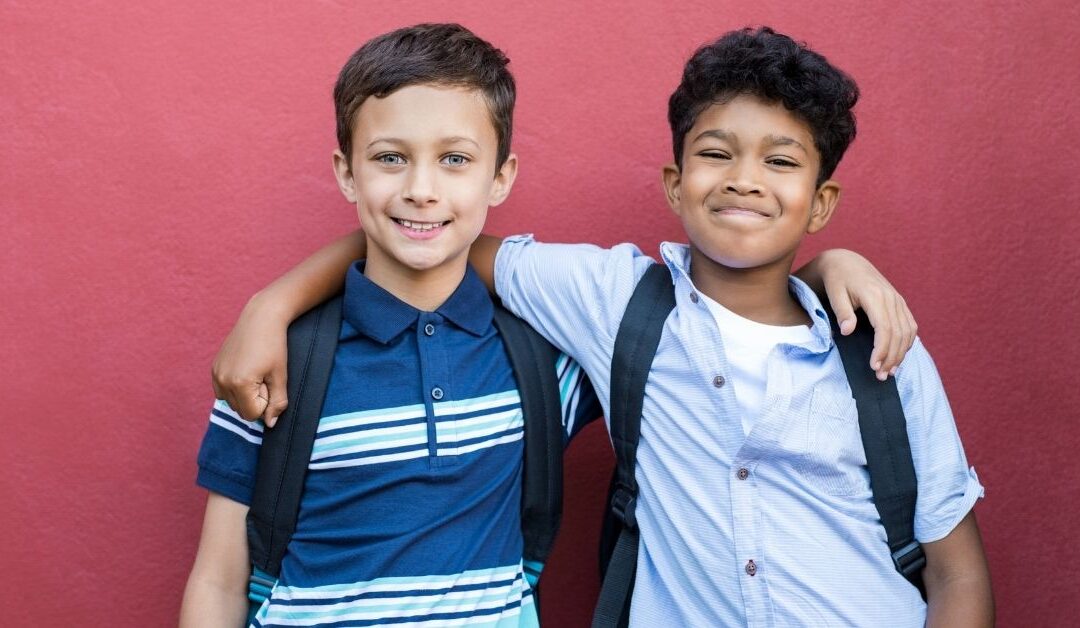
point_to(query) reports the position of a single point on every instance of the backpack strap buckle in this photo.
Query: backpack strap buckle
(909, 559)
(623, 504)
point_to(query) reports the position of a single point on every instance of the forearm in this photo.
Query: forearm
(208, 604)
(960, 602)
(813, 271)
(311, 282)
(957, 579)
(482, 257)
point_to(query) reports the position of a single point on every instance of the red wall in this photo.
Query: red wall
(160, 161)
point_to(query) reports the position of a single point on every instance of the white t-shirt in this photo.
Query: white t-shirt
(747, 345)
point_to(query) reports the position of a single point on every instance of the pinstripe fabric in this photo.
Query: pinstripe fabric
(801, 510)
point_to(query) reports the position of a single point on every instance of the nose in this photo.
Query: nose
(743, 180)
(421, 186)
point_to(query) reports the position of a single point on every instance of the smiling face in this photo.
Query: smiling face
(746, 192)
(422, 176)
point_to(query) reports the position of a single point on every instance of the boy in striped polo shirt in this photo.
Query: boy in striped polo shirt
(411, 506)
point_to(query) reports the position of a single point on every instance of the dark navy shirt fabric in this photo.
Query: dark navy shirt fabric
(411, 506)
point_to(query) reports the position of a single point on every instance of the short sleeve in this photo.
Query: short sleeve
(229, 454)
(573, 294)
(948, 488)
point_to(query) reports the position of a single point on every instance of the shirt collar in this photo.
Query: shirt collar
(677, 258)
(381, 316)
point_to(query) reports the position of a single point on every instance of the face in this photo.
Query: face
(746, 193)
(422, 177)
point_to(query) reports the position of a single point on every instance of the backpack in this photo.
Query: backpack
(881, 424)
(286, 449)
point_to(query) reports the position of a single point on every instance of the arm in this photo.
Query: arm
(249, 370)
(957, 579)
(852, 282)
(216, 592)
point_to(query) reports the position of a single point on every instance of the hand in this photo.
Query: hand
(851, 282)
(249, 371)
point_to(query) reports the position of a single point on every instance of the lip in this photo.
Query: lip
(420, 234)
(734, 210)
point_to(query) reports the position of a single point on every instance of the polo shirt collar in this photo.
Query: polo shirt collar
(677, 258)
(381, 316)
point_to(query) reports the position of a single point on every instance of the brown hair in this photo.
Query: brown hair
(442, 54)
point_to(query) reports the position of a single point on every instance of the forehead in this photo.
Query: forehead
(427, 113)
(747, 119)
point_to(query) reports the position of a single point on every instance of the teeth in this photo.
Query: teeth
(418, 226)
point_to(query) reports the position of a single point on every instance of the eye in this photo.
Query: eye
(455, 160)
(390, 159)
(714, 154)
(783, 162)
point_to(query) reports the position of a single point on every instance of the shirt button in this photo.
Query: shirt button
(742, 475)
(436, 393)
(694, 297)
(429, 329)
(718, 381)
(751, 568)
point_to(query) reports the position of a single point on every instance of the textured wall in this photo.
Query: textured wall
(160, 161)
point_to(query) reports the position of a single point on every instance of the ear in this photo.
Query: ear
(671, 178)
(343, 173)
(504, 180)
(825, 200)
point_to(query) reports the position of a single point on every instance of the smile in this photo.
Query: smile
(414, 225)
(740, 211)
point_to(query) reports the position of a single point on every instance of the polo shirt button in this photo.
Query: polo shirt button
(751, 568)
(743, 473)
(718, 381)
(429, 329)
(436, 393)
(694, 297)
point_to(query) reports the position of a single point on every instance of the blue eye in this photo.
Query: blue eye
(455, 159)
(392, 159)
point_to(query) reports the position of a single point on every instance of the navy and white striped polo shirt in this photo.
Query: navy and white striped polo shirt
(411, 506)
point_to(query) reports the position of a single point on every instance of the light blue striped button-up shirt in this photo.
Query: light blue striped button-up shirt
(804, 512)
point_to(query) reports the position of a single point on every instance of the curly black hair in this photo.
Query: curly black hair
(775, 68)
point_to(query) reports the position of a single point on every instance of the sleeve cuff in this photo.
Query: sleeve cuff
(224, 484)
(973, 492)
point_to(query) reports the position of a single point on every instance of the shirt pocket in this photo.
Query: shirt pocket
(834, 461)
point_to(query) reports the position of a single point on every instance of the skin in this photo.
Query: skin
(420, 177)
(747, 195)
(216, 591)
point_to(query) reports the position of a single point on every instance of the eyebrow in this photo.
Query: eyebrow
(720, 134)
(783, 140)
(769, 140)
(448, 140)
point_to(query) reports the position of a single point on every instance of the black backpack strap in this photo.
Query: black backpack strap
(888, 451)
(532, 359)
(286, 449)
(635, 346)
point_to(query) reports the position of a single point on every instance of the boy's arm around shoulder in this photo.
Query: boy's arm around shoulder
(216, 591)
(957, 579)
(249, 370)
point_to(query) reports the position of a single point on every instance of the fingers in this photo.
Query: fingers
(881, 320)
(842, 308)
(278, 398)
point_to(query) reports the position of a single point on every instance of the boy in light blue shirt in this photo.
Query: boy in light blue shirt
(755, 506)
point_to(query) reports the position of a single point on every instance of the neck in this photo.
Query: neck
(423, 289)
(760, 294)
